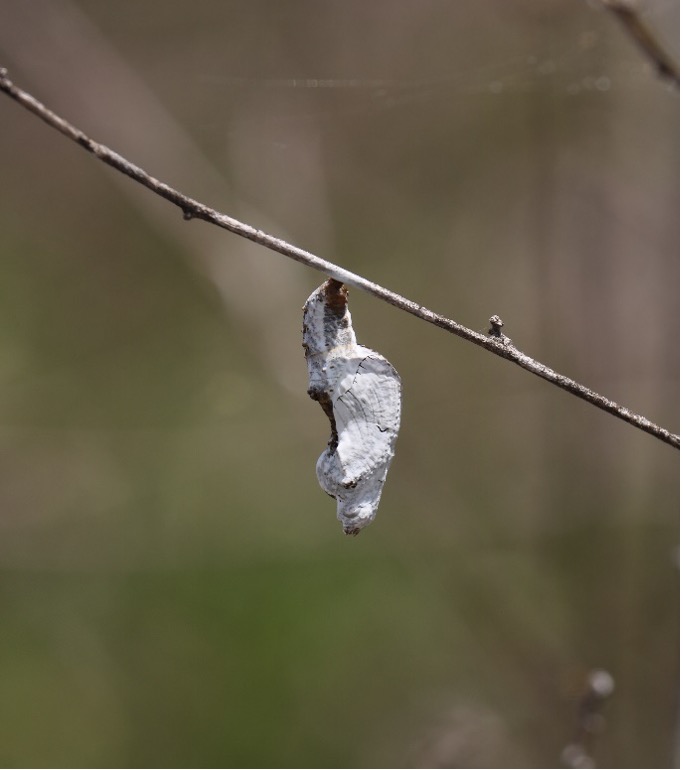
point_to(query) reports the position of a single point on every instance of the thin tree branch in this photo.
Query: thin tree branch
(495, 342)
(644, 38)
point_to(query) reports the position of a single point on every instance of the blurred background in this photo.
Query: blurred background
(174, 587)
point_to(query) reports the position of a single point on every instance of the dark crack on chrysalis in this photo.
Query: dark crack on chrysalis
(326, 405)
(335, 299)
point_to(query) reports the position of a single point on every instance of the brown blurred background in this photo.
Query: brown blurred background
(174, 587)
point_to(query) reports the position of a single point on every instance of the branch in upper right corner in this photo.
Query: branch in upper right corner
(644, 38)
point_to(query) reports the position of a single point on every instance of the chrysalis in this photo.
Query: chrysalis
(360, 392)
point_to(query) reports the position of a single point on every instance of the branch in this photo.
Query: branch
(494, 342)
(644, 38)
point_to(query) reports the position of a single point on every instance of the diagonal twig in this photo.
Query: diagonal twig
(644, 38)
(495, 342)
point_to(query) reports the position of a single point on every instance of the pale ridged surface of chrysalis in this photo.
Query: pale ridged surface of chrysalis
(360, 392)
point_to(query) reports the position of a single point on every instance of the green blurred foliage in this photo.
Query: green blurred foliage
(174, 588)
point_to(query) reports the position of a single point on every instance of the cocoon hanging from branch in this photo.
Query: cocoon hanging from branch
(360, 392)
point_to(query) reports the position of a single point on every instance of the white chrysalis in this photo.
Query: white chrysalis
(360, 392)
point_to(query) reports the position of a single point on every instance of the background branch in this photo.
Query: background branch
(192, 209)
(644, 38)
